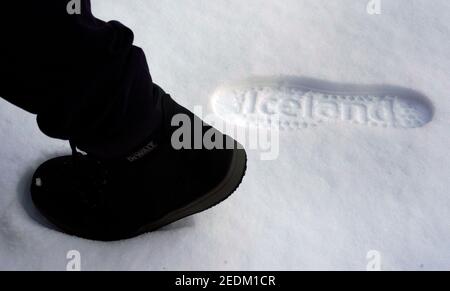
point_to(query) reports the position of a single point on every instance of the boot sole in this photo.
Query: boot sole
(219, 194)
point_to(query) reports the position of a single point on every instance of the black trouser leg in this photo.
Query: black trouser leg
(82, 77)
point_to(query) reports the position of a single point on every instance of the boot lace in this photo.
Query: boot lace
(91, 179)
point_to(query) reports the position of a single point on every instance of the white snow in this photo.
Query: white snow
(335, 193)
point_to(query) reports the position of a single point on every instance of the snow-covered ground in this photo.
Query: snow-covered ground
(336, 191)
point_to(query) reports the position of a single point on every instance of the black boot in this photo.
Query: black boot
(152, 187)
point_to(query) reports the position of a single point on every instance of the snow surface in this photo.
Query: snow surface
(336, 191)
